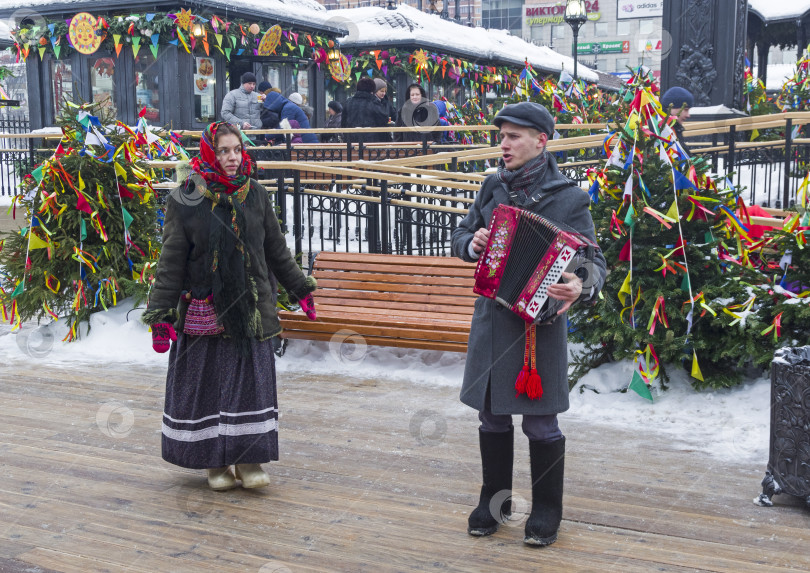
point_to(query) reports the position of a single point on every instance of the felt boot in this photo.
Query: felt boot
(495, 502)
(221, 479)
(252, 475)
(548, 468)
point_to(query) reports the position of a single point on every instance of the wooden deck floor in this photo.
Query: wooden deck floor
(375, 475)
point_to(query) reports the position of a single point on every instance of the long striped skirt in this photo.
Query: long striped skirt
(221, 408)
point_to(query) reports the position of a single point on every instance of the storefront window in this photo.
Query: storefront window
(147, 94)
(205, 106)
(102, 81)
(271, 74)
(62, 83)
(300, 83)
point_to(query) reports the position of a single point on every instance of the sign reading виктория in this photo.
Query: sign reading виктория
(639, 9)
(604, 48)
(552, 13)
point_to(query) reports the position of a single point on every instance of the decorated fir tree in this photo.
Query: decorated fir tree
(686, 284)
(90, 237)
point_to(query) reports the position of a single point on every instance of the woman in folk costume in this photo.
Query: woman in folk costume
(221, 241)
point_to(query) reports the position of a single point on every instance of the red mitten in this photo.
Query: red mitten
(308, 306)
(162, 335)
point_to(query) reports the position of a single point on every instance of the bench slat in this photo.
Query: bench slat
(389, 321)
(417, 313)
(380, 341)
(411, 260)
(381, 331)
(423, 299)
(423, 280)
(356, 305)
(344, 284)
(464, 272)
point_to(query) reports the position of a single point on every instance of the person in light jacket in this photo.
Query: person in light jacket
(241, 106)
(527, 178)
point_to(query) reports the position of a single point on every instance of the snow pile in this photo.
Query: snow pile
(379, 28)
(730, 424)
(779, 9)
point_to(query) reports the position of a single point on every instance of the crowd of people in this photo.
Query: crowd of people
(260, 105)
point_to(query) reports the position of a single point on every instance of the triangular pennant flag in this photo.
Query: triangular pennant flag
(625, 288)
(154, 50)
(136, 45)
(120, 171)
(36, 243)
(118, 49)
(638, 386)
(218, 38)
(624, 255)
(56, 50)
(673, 211)
(685, 283)
(83, 205)
(155, 39)
(18, 289)
(83, 230)
(41, 52)
(696, 373)
(127, 218)
(37, 174)
(228, 53)
(681, 182)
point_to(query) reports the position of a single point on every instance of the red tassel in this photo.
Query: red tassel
(522, 380)
(523, 375)
(534, 389)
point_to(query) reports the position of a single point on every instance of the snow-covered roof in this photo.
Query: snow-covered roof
(306, 13)
(772, 10)
(375, 27)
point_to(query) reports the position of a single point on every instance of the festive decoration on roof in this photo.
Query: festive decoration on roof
(190, 32)
(690, 281)
(90, 237)
(270, 41)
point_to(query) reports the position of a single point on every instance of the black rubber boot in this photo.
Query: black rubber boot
(497, 455)
(548, 469)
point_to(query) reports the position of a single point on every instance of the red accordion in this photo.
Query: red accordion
(525, 254)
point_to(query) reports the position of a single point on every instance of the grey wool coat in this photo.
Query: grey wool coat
(497, 335)
(239, 106)
(184, 263)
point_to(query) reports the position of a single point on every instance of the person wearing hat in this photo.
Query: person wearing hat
(528, 178)
(381, 93)
(334, 112)
(298, 100)
(364, 110)
(241, 106)
(677, 101)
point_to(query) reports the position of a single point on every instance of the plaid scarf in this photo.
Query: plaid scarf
(523, 183)
(209, 168)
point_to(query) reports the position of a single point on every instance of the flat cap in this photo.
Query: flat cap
(527, 114)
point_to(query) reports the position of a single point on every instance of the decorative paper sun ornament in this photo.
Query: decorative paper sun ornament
(254, 29)
(340, 69)
(421, 61)
(82, 33)
(270, 41)
(184, 19)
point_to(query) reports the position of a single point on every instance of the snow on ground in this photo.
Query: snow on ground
(732, 425)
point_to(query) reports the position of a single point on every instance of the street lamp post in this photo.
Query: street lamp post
(575, 16)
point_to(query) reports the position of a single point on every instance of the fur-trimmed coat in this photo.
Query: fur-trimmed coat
(497, 335)
(185, 261)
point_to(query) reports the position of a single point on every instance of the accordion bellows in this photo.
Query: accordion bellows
(527, 253)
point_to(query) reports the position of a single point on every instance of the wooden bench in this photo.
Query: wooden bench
(389, 300)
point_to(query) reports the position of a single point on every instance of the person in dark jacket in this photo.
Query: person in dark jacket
(677, 101)
(381, 93)
(416, 95)
(527, 178)
(364, 110)
(278, 104)
(334, 112)
(221, 241)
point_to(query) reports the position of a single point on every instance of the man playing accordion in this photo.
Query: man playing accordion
(501, 343)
